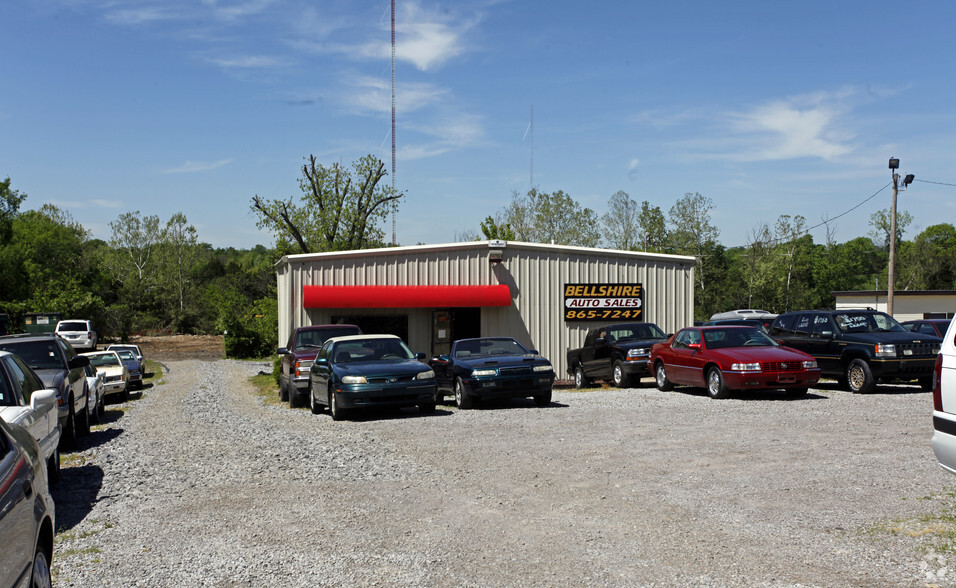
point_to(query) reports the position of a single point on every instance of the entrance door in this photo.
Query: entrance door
(451, 324)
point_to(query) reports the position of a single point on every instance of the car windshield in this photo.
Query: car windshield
(120, 348)
(126, 355)
(487, 347)
(104, 360)
(367, 350)
(866, 322)
(634, 332)
(737, 337)
(315, 339)
(40, 355)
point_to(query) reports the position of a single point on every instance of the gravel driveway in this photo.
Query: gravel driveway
(199, 483)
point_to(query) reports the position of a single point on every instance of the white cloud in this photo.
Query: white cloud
(375, 95)
(247, 62)
(194, 166)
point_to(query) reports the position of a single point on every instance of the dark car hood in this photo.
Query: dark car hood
(381, 368)
(637, 343)
(896, 337)
(500, 361)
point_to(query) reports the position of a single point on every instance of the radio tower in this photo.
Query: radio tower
(394, 207)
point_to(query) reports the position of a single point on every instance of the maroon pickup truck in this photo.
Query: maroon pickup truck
(298, 355)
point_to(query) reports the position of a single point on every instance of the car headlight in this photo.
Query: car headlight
(636, 352)
(542, 368)
(427, 375)
(745, 367)
(885, 350)
(479, 373)
(810, 365)
(354, 380)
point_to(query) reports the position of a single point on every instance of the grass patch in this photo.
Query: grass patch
(933, 532)
(154, 372)
(265, 388)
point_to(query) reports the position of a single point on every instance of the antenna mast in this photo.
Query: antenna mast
(394, 206)
(532, 146)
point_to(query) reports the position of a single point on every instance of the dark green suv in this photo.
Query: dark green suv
(859, 347)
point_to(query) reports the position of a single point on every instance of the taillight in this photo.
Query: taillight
(938, 383)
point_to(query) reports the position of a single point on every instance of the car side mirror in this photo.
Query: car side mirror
(600, 341)
(533, 351)
(282, 350)
(42, 398)
(694, 346)
(321, 360)
(420, 356)
(826, 334)
(440, 359)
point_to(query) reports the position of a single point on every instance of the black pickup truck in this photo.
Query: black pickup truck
(859, 347)
(616, 352)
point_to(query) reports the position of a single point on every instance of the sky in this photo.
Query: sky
(765, 108)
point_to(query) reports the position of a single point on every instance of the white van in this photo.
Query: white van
(944, 402)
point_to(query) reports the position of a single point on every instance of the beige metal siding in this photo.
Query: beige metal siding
(535, 273)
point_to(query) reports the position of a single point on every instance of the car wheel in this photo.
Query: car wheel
(314, 406)
(101, 409)
(41, 577)
(619, 376)
(796, 392)
(542, 400)
(926, 384)
(337, 412)
(53, 468)
(462, 397)
(69, 431)
(293, 395)
(663, 384)
(283, 391)
(580, 380)
(124, 395)
(716, 386)
(83, 422)
(859, 378)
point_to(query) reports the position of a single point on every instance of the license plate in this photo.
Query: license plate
(786, 379)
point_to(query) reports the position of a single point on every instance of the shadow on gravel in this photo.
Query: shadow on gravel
(98, 437)
(750, 395)
(75, 494)
(885, 389)
(389, 414)
(510, 404)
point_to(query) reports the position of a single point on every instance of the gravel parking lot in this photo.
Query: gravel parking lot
(199, 483)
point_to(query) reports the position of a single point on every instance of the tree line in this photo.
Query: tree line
(156, 276)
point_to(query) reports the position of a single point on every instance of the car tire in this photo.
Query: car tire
(716, 386)
(68, 436)
(40, 577)
(620, 378)
(543, 399)
(660, 376)
(53, 468)
(283, 391)
(124, 395)
(463, 399)
(580, 380)
(926, 384)
(337, 412)
(859, 378)
(83, 422)
(293, 394)
(314, 406)
(796, 392)
(101, 409)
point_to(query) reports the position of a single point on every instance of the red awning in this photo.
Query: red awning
(405, 296)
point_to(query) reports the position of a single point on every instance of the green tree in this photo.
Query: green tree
(540, 217)
(693, 234)
(10, 201)
(880, 222)
(338, 209)
(620, 223)
(652, 228)
(929, 261)
(492, 230)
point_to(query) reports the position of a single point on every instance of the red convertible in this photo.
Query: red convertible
(723, 359)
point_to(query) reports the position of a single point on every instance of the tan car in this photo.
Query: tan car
(115, 374)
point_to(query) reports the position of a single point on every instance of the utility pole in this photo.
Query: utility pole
(891, 282)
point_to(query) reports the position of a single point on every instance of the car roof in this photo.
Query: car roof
(361, 338)
(30, 336)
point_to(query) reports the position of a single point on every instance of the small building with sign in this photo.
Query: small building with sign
(545, 296)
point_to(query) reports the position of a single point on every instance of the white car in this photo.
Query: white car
(136, 351)
(96, 406)
(115, 374)
(78, 332)
(25, 401)
(944, 402)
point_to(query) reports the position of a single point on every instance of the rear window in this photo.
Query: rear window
(72, 326)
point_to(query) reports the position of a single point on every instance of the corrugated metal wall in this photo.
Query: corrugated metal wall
(535, 273)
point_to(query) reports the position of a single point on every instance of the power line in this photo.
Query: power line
(937, 183)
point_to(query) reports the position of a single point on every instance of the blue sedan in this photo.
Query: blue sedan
(365, 371)
(493, 367)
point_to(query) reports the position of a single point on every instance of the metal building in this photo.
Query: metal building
(545, 296)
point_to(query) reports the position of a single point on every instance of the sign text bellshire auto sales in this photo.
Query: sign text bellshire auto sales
(596, 302)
